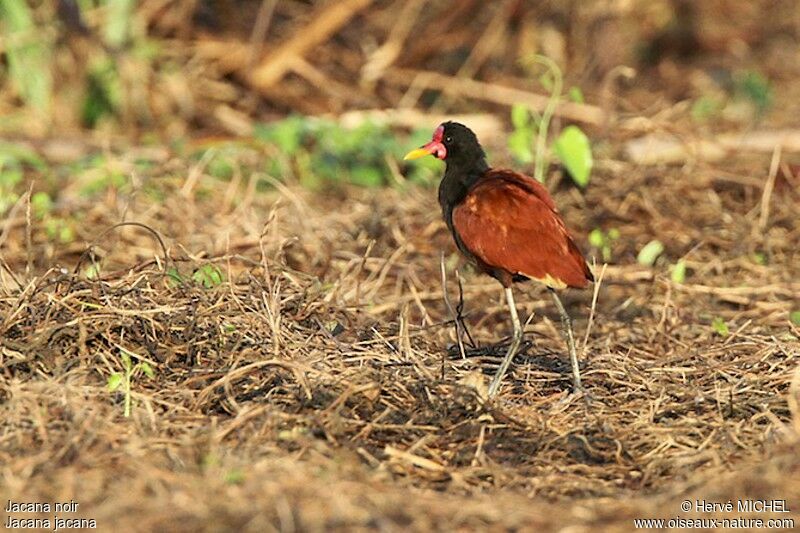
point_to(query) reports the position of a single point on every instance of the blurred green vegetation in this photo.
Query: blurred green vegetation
(28, 55)
(322, 152)
(746, 95)
(317, 153)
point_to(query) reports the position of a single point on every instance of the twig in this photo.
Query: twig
(658, 148)
(596, 293)
(387, 54)
(486, 45)
(413, 459)
(28, 235)
(260, 29)
(768, 188)
(360, 269)
(152, 232)
(325, 23)
(498, 94)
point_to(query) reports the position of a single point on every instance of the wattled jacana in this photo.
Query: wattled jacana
(508, 225)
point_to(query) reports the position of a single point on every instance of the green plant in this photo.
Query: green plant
(322, 151)
(759, 258)
(28, 55)
(59, 230)
(125, 378)
(706, 107)
(649, 253)
(103, 92)
(603, 241)
(720, 327)
(755, 88)
(14, 161)
(575, 152)
(679, 271)
(208, 275)
(794, 316)
(41, 204)
(521, 139)
(572, 147)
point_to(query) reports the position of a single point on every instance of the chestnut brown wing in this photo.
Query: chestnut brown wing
(509, 221)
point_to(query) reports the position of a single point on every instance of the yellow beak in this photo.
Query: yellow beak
(416, 154)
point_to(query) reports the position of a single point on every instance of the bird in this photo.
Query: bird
(507, 224)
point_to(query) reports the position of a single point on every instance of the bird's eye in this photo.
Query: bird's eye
(448, 139)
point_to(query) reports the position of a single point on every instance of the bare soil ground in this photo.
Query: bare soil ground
(313, 388)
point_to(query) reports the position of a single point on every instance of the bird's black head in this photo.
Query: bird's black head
(455, 144)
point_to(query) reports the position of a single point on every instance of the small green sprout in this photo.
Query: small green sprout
(720, 327)
(794, 316)
(575, 95)
(41, 204)
(603, 241)
(235, 476)
(125, 378)
(648, 255)
(92, 271)
(705, 108)
(208, 275)
(679, 271)
(174, 278)
(755, 88)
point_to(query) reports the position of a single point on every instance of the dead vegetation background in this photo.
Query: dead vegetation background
(315, 386)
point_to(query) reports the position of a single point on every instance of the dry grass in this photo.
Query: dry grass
(305, 392)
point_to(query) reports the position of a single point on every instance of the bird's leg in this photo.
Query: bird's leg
(512, 349)
(566, 322)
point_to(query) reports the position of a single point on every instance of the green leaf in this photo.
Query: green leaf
(103, 92)
(147, 369)
(597, 238)
(679, 271)
(234, 477)
(575, 94)
(753, 86)
(613, 234)
(648, 255)
(208, 276)
(720, 327)
(221, 167)
(520, 116)
(41, 204)
(114, 381)
(92, 271)
(705, 107)
(794, 316)
(573, 149)
(174, 277)
(126, 359)
(519, 144)
(65, 234)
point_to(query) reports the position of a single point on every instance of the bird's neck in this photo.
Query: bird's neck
(457, 181)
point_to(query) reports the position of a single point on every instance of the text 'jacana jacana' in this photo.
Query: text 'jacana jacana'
(508, 225)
